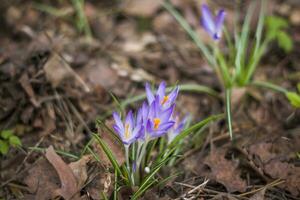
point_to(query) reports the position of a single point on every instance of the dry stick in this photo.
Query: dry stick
(272, 184)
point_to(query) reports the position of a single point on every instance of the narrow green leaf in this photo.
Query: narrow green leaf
(269, 85)
(60, 152)
(148, 182)
(243, 41)
(3, 147)
(108, 153)
(5, 134)
(298, 87)
(117, 102)
(110, 131)
(294, 99)
(228, 111)
(260, 26)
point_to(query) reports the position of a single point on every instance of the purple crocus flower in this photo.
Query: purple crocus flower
(159, 121)
(165, 100)
(212, 25)
(130, 131)
(177, 128)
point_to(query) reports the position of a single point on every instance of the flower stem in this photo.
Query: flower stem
(141, 154)
(127, 157)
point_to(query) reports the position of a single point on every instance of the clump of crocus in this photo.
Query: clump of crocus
(154, 119)
(213, 25)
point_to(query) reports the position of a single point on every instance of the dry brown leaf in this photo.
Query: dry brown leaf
(57, 70)
(114, 146)
(102, 181)
(79, 169)
(266, 156)
(42, 185)
(68, 181)
(225, 171)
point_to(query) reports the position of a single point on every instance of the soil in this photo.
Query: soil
(55, 81)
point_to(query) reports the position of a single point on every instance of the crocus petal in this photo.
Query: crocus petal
(173, 95)
(118, 121)
(119, 131)
(166, 114)
(152, 110)
(207, 20)
(149, 126)
(139, 116)
(219, 23)
(139, 132)
(179, 128)
(129, 120)
(150, 96)
(145, 112)
(161, 90)
(166, 126)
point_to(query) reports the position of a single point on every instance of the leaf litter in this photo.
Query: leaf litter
(123, 55)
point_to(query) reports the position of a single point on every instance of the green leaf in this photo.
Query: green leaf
(5, 134)
(3, 147)
(284, 41)
(294, 99)
(148, 181)
(268, 85)
(274, 24)
(243, 41)
(298, 87)
(108, 153)
(15, 141)
(228, 112)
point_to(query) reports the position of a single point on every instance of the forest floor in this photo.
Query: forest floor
(55, 81)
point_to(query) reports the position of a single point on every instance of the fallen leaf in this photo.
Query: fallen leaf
(114, 146)
(79, 169)
(57, 70)
(42, 185)
(68, 181)
(225, 171)
(103, 181)
(268, 157)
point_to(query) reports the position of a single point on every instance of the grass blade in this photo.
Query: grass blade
(146, 184)
(242, 43)
(269, 85)
(60, 152)
(228, 111)
(108, 153)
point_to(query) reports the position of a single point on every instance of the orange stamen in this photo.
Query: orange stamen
(156, 122)
(165, 99)
(127, 134)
